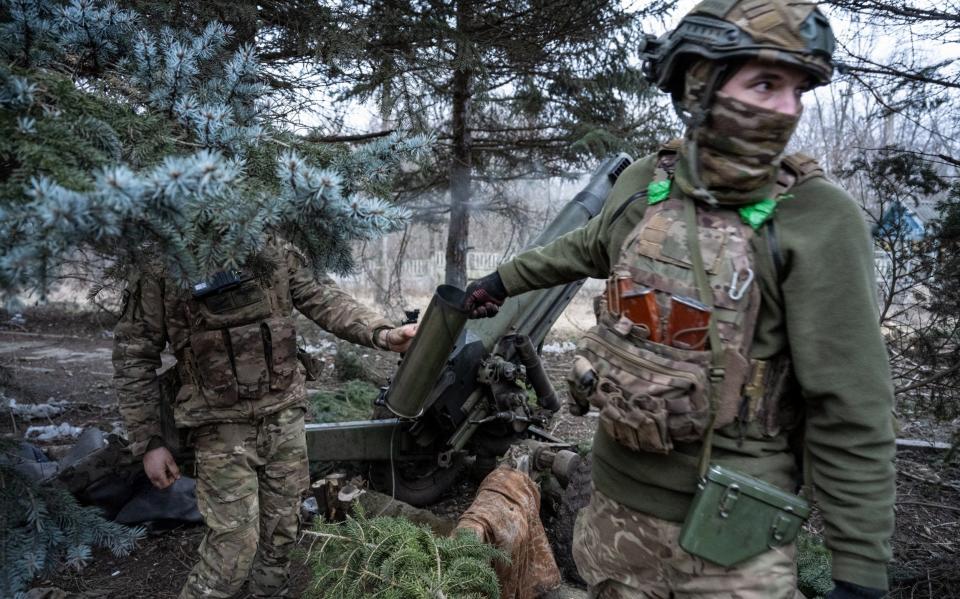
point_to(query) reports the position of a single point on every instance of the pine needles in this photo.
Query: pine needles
(44, 527)
(393, 558)
(352, 402)
(814, 577)
(150, 148)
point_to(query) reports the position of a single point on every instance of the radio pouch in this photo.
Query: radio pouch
(735, 517)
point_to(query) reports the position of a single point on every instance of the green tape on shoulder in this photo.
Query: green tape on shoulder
(658, 191)
(757, 214)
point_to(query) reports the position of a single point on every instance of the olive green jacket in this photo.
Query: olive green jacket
(820, 307)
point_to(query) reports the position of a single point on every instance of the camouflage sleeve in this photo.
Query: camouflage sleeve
(333, 309)
(138, 339)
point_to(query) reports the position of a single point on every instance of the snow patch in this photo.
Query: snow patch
(35, 411)
(322, 347)
(559, 348)
(53, 432)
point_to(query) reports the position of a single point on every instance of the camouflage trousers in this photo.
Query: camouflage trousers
(250, 477)
(625, 554)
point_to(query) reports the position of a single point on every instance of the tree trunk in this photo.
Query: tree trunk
(461, 166)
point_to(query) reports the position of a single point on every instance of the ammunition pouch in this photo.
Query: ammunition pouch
(280, 341)
(765, 398)
(735, 517)
(212, 368)
(652, 395)
(238, 348)
(582, 382)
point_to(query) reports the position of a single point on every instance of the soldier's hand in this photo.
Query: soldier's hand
(160, 467)
(485, 296)
(398, 339)
(849, 590)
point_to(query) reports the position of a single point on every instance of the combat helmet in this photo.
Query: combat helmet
(794, 32)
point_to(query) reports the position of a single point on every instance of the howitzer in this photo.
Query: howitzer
(460, 393)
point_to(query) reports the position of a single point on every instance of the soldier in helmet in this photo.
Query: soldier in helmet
(737, 338)
(243, 400)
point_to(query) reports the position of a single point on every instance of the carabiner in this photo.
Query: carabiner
(738, 289)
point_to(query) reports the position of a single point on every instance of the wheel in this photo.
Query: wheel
(418, 483)
(575, 497)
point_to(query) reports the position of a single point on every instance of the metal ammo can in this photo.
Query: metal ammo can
(734, 517)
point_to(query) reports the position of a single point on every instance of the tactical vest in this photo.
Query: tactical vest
(242, 341)
(654, 365)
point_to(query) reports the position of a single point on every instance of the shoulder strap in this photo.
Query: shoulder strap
(794, 170)
(667, 156)
(673, 146)
(801, 166)
(717, 366)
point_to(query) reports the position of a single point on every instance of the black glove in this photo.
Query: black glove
(485, 296)
(849, 590)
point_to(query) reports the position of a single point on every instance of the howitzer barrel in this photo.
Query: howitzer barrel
(587, 203)
(439, 374)
(533, 313)
(424, 361)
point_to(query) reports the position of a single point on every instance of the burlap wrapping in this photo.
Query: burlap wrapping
(506, 514)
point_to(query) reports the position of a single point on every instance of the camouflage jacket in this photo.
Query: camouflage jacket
(157, 312)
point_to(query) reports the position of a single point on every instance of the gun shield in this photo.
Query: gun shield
(424, 361)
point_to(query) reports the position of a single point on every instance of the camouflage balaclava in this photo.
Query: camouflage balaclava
(731, 151)
(735, 154)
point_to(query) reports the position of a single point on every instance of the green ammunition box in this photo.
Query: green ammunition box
(735, 517)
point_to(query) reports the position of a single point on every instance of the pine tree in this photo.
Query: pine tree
(516, 89)
(159, 155)
(396, 559)
(150, 148)
(44, 527)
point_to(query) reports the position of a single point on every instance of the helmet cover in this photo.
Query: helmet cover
(778, 31)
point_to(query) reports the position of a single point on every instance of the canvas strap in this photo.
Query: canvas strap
(716, 349)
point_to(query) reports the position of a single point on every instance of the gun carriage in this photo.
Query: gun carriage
(460, 396)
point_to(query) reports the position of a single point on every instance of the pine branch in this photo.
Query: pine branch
(215, 186)
(44, 527)
(391, 557)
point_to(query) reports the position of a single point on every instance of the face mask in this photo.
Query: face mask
(737, 152)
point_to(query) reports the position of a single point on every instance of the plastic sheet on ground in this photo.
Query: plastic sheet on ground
(506, 514)
(99, 471)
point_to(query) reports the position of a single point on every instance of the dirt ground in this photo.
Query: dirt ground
(56, 354)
